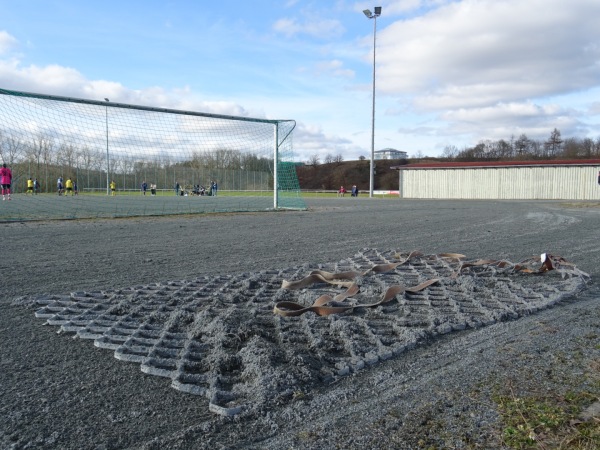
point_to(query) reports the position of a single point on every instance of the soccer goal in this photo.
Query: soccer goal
(102, 149)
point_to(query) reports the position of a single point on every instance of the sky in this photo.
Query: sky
(449, 73)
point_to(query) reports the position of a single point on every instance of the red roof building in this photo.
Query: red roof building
(543, 179)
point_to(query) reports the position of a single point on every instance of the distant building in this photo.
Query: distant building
(390, 153)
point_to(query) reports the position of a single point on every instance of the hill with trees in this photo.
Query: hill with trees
(332, 175)
(335, 172)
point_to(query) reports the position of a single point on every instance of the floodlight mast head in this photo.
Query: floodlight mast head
(370, 15)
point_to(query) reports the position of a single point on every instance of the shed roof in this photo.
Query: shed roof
(498, 164)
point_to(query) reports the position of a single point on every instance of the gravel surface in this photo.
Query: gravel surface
(60, 392)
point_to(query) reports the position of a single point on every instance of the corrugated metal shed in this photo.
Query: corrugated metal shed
(563, 180)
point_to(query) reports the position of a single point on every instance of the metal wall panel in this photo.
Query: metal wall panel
(552, 182)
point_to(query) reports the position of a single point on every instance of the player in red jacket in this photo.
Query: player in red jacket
(5, 181)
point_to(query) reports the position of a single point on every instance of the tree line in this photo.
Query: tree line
(46, 158)
(524, 148)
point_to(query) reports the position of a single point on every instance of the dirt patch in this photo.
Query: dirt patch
(581, 204)
(219, 336)
(64, 392)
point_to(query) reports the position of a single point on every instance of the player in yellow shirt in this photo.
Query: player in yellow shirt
(69, 187)
(29, 187)
(113, 188)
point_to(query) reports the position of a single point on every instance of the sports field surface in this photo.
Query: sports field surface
(130, 204)
(160, 332)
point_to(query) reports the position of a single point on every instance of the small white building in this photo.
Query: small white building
(390, 153)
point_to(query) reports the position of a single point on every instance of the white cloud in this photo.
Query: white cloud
(317, 28)
(311, 139)
(7, 42)
(65, 81)
(502, 112)
(594, 108)
(463, 71)
(334, 68)
(512, 119)
(477, 52)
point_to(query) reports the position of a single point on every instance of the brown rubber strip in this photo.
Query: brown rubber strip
(326, 305)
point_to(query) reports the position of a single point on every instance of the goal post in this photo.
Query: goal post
(107, 147)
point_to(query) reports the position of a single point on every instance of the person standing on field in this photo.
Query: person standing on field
(29, 186)
(144, 187)
(177, 187)
(113, 188)
(36, 186)
(5, 180)
(69, 187)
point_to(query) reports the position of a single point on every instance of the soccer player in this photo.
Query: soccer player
(29, 187)
(113, 188)
(5, 180)
(69, 186)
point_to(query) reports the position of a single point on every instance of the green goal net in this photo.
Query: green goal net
(118, 160)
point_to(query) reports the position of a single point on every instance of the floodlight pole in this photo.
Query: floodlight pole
(107, 160)
(275, 168)
(373, 16)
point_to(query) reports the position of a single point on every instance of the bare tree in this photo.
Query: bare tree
(197, 160)
(504, 149)
(227, 159)
(554, 143)
(67, 155)
(522, 145)
(11, 149)
(90, 160)
(536, 149)
(572, 148)
(314, 160)
(587, 147)
(450, 152)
